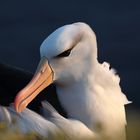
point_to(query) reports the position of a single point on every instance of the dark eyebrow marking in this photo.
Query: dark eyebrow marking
(65, 53)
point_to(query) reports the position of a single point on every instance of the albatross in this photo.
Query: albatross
(88, 91)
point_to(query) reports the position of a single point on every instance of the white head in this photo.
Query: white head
(66, 55)
(71, 51)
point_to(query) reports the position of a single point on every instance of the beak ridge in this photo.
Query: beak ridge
(42, 78)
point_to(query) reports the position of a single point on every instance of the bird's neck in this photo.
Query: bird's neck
(89, 101)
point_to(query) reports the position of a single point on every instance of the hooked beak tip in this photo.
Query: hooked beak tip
(42, 78)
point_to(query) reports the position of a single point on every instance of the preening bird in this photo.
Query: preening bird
(88, 91)
(13, 79)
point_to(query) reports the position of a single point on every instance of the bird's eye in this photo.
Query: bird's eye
(65, 53)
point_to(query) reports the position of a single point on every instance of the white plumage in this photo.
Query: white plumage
(88, 91)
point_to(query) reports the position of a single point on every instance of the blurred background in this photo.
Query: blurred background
(24, 24)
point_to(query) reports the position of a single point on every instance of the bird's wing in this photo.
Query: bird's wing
(71, 127)
(27, 121)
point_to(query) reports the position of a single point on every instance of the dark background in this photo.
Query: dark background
(24, 24)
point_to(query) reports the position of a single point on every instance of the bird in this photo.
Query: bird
(88, 91)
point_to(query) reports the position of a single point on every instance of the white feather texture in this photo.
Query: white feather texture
(27, 121)
(88, 91)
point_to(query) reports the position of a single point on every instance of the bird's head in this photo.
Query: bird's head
(66, 56)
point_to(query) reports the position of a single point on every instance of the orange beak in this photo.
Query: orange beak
(42, 78)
